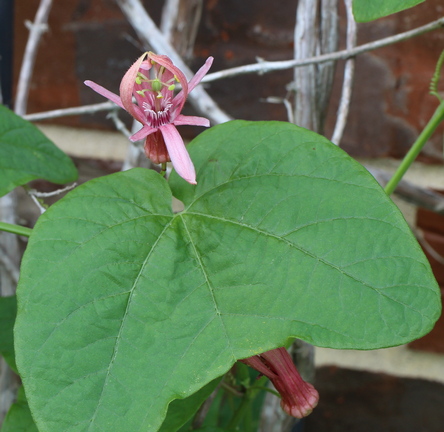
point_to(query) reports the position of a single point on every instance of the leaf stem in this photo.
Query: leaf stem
(231, 389)
(240, 412)
(433, 123)
(15, 229)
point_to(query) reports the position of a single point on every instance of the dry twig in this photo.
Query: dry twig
(261, 67)
(264, 66)
(36, 30)
(349, 70)
(152, 37)
(86, 109)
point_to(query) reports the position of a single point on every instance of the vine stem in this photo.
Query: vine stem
(433, 123)
(15, 229)
(240, 412)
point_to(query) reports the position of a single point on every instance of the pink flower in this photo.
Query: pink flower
(152, 80)
(298, 397)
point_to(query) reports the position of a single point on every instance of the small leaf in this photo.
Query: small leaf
(124, 306)
(181, 410)
(8, 312)
(19, 417)
(369, 10)
(26, 154)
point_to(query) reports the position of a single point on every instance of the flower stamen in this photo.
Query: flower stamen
(158, 117)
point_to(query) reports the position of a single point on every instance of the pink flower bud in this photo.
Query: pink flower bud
(299, 398)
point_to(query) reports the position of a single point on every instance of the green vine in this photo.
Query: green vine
(436, 76)
(15, 229)
(437, 118)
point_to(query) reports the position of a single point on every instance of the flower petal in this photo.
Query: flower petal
(178, 153)
(256, 363)
(181, 96)
(197, 78)
(299, 398)
(142, 133)
(104, 92)
(127, 87)
(168, 64)
(191, 121)
(155, 148)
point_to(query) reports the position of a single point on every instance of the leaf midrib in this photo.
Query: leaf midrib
(128, 305)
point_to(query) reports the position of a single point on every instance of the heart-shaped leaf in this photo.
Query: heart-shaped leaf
(369, 10)
(125, 306)
(26, 154)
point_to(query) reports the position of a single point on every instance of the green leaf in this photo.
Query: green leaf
(369, 10)
(19, 417)
(210, 429)
(125, 306)
(181, 410)
(8, 311)
(26, 154)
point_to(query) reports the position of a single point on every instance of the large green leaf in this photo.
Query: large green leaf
(369, 10)
(19, 417)
(8, 311)
(26, 154)
(125, 306)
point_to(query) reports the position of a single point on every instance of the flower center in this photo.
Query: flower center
(158, 112)
(155, 85)
(154, 92)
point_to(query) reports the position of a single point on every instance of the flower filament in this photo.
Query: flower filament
(156, 85)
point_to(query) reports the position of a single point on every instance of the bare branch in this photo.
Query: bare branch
(349, 70)
(169, 15)
(39, 205)
(264, 66)
(305, 41)
(86, 109)
(36, 30)
(328, 43)
(38, 194)
(120, 126)
(419, 234)
(285, 102)
(151, 36)
(261, 67)
(180, 22)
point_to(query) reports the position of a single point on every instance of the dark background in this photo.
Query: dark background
(91, 39)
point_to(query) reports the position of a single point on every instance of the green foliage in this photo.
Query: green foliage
(125, 306)
(26, 154)
(210, 429)
(8, 311)
(181, 410)
(369, 10)
(19, 417)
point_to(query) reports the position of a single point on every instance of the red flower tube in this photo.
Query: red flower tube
(299, 398)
